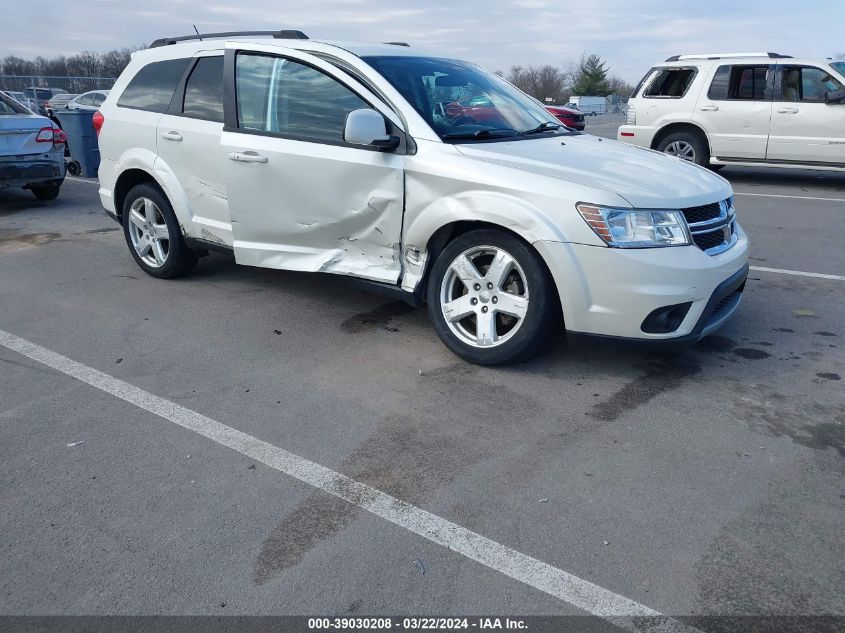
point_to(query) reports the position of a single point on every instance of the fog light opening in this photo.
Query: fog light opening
(666, 319)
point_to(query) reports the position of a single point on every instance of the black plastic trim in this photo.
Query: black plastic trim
(284, 34)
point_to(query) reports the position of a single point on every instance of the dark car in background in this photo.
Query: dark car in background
(570, 117)
(40, 96)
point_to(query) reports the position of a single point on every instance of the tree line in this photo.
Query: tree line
(84, 64)
(590, 76)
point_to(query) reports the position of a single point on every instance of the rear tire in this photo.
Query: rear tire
(503, 322)
(50, 192)
(687, 146)
(153, 234)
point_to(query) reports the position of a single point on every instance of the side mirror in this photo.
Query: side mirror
(367, 127)
(835, 96)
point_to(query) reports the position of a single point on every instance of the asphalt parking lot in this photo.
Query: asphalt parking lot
(696, 480)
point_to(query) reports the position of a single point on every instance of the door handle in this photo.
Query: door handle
(788, 111)
(248, 157)
(709, 108)
(171, 136)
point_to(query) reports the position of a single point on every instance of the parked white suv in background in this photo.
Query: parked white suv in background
(331, 157)
(742, 109)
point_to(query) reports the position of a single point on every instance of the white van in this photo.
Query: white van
(742, 109)
(335, 158)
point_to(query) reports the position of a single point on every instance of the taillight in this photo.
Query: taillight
(630, 114)
(45, 135)
(51, 135)
(98, 121)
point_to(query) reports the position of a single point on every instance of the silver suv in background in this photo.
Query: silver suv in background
(742, 109)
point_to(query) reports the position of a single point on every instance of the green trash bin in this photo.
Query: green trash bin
(81, 140)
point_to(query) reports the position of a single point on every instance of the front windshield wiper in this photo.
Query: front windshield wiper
(480, 134)
(546, 126)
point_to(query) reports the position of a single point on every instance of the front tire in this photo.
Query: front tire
(153, 235)
(686, 146)
(490, 297)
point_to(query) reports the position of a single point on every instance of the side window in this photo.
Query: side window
(204, 90)
(153, 87)
(98, 98)
(291, 99)
(86, 100)
(739, 83)
(807, 84)
(670, 83)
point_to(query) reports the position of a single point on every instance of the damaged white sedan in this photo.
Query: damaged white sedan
(424, 176)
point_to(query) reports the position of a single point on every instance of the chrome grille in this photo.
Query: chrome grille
(712, 226)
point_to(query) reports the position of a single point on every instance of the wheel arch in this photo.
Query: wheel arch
(672, 128)
(124, 183)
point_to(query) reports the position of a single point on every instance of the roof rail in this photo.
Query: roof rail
(677, 58)
(398, 44)
(278, 35)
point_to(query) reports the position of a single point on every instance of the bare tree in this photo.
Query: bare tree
(541, 82)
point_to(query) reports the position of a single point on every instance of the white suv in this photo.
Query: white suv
(742, 109)
(338, 158)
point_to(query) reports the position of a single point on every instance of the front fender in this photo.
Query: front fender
(497, 208)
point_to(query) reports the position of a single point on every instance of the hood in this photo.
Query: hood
(646, 179)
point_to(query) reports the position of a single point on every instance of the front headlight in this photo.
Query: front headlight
(636, 228)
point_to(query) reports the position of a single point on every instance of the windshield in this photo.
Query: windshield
(462, 102)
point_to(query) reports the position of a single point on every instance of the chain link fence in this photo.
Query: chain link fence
(72, 85)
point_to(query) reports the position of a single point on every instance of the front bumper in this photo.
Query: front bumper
(28, 173)
(610, 291)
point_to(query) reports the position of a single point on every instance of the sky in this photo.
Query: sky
(631, 35)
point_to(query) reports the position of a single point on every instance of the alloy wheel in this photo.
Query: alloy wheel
(681, 149)
(148, 232)
(484, 296)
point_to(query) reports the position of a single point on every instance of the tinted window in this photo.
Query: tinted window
(152, 88)
(740, 83)
(284, 97)
(807, 84)
(671, 83)
(204, 90)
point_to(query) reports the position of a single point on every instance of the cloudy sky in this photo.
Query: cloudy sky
(630, 34)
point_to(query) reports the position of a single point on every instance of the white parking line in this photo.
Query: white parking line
(800, 273)
(581, 593)
(90, 181)
(780, 195)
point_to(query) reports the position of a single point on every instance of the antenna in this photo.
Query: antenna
(197, 31)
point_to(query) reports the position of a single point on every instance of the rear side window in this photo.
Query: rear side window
(670, 83)
(204, 90)
(739, 83)
(152, 88)
(285, 97)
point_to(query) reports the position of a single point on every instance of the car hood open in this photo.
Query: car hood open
(644, 178)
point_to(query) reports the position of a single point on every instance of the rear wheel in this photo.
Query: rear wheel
(686, 146)
(490, 298)
(152, 234)
(49, 192)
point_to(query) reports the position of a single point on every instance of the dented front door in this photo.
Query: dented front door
(300, 198)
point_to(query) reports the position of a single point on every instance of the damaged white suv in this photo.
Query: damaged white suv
(375, 162)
